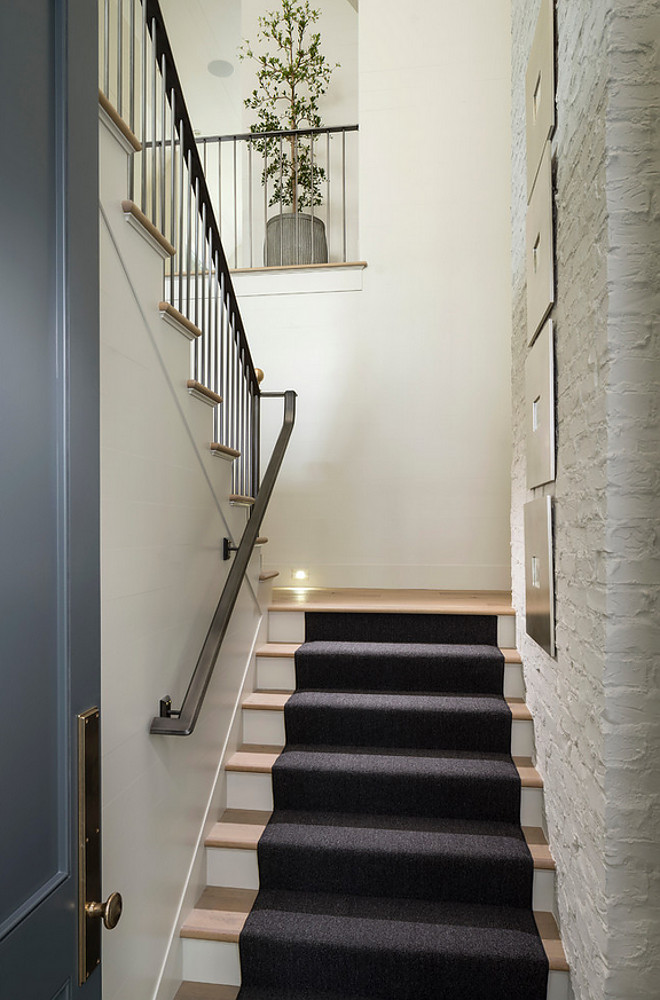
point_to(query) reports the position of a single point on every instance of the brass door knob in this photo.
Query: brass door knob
(110, 911)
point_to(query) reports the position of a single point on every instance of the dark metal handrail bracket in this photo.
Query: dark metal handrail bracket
(182, 723)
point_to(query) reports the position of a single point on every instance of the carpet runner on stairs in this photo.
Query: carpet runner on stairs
(394, 866)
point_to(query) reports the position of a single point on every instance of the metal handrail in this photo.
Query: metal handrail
(182, 722)
(244, 136)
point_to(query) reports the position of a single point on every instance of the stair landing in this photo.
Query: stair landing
(458, 602)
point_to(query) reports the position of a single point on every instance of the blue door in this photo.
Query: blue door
(49, 482)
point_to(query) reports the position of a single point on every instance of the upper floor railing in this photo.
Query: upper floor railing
(255, 180)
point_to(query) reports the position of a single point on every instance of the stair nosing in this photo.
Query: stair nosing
(265, 756)
(545, 922)
(129, 208)
(226, 835)
(288, 649)
(274, 701)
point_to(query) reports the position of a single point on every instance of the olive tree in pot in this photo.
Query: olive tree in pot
(292, 75)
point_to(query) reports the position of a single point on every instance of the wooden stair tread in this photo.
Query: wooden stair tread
(274, 701)
(260, 759)
(539, 848)
(240, 498)
(461, 602)
(224, 449)
(224, 912)
(279, 649)
(169, 310)
(262, 540)
(269, 575)
(219, 915)
(117, 119)
(270, 701)
(203, 390)
(549, 933)
(206, 991)
(252, 760)
(130, 208)
(245, 836)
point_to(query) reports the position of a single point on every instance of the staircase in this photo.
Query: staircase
(406, 848)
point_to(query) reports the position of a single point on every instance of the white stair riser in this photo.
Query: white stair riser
(239, 869)
(219, 962)
(278, 673)
(251, 790)
(558, 983)
(289, 626)
(266, 727)
(232, 868)
(211, 962)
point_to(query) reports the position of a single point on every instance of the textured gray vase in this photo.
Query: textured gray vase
(289, 240)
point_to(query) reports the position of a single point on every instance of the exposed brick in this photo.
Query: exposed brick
(595, 705)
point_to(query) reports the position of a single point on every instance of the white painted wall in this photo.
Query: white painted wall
(595, 705)
(164, 511)
(338, 26)
(398, 473)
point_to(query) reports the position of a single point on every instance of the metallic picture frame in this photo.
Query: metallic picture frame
(540, 91)
(540, 409)
(539, 574)
(540, 251)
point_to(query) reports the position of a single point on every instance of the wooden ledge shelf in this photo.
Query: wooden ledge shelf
(119, 122)
(224, 451)
(137, 216)
(202, 393)
(168, 312)
(240, 500)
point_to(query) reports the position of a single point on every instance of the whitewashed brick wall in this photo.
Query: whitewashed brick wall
(595, 704)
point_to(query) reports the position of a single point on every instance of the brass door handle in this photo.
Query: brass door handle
(109, 912)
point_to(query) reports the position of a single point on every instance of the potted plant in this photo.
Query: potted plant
(292, 76)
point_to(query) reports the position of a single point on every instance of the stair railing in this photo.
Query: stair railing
(167, 184)
(256, 164)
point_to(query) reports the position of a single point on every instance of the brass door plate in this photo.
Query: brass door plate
(89, 842)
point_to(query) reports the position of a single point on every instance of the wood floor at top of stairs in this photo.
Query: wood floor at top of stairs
(461, 602)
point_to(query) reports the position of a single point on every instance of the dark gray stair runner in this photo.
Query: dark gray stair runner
(394, 866)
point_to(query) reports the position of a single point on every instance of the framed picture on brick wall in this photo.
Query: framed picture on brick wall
(539, 574)
(540, 91)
